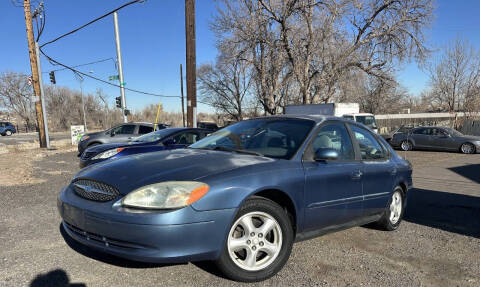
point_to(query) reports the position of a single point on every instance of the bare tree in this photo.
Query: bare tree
(64, 108)
(16, 96)
(244, 24)
(455, 78)
(311, 42)
(226, 85)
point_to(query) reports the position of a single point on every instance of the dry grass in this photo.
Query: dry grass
(16, 166)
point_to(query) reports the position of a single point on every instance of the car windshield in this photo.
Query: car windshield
(403, 129)
(454, 132)
(276, 138)
(369, 121)
(154, 136)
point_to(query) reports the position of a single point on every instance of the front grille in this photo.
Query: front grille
(99, 239)
(88, 154)
(95, 190)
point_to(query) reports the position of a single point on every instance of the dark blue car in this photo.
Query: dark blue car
(168, 138)
(241, 196)
(7, 129)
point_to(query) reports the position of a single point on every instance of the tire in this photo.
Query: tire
(406, 145)
(393, 215)
(8, 133)
(234, 261)
(467, 148)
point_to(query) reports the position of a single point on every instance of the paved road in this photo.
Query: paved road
(437, 244)
(29, 138)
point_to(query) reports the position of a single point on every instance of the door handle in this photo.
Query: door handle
(393, 171)
(357, 174)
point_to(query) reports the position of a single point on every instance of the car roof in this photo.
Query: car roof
(431, 127)
(315, 118)
(181, 129)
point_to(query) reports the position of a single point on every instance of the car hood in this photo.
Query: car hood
(131, 172)
(94, 134)
(104, 147)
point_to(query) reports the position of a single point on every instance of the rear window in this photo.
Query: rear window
(144, 130)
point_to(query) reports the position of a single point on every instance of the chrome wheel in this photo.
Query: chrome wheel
(396, 207)
(406, 145)
(9, 133)
(254, 241)
(467, 148)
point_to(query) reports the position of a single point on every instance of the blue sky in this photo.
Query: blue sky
(153, 43)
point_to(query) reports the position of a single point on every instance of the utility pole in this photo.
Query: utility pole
(35, 76)
(80, 79)
(42, 93)
(191, 63)
(181, 91)
(120, 67)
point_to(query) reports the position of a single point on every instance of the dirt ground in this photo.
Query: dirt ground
(438, 244)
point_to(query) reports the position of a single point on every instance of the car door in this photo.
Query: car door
(421, 138)
(333, 188)
(441, 140)
(378, 171)
(123, 133)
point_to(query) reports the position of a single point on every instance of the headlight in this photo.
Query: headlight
(84, 138)
(166, 195)
(108, 153)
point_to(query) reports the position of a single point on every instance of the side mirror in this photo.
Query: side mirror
(112, 133)
(323, 154)
(169, 141)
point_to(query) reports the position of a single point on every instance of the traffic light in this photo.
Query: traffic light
(126, 112)
(118, 101)
(52, 77)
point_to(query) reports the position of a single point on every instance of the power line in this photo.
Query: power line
(39, 13)
(86, 64)
(91, 22)
(82, 74)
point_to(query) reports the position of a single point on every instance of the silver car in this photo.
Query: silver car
(436, 138)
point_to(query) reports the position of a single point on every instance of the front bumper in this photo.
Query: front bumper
(180, 235)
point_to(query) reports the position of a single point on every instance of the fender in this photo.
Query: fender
(288, 178)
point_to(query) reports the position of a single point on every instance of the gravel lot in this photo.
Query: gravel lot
(438, 244)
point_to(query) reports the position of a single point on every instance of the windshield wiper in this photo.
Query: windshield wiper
(224, 148)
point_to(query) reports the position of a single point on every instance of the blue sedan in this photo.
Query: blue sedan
(168, 138)
(241, 196)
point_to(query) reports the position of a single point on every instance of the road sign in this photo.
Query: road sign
(113, 78)
(76, 133)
